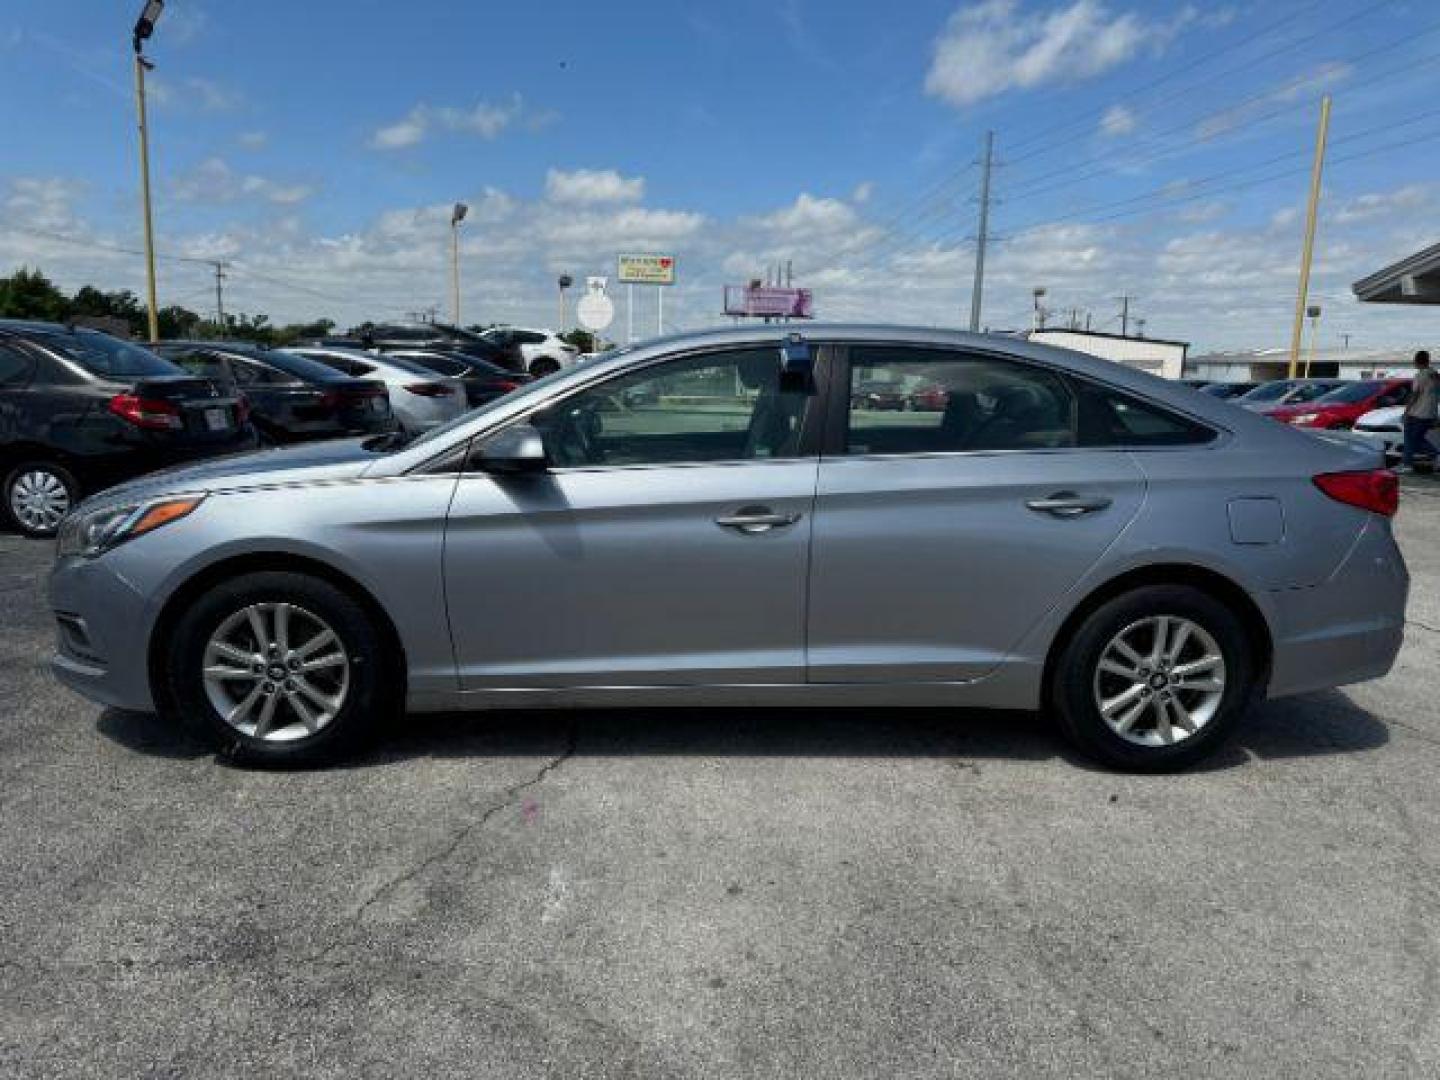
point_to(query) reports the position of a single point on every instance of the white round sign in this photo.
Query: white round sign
(595, 311)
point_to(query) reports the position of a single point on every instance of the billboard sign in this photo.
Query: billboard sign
(646, 269)
(769, 301)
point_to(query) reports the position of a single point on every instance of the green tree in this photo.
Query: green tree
(29, 294)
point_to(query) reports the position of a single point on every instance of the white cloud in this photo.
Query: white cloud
(42, 202)
(1374, 205)
(993, 46)
(488, 120)
(1118, 120)
(194, 93)
(1323, 77)
(214, 181)
(252, 140)
(863, 191)
(593, 186)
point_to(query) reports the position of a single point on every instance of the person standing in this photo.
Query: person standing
(1421, 410)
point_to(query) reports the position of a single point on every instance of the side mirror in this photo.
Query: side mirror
(516, 451)
(795, 358)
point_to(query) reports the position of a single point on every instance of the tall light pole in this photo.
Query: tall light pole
(564, 281)
(982, 235)
(144, 27)
(457, 215)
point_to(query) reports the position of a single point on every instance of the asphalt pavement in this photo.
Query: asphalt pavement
(723, 894)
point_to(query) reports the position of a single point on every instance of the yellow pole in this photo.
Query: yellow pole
(1308, 251)
(140, 65)
(455, 270)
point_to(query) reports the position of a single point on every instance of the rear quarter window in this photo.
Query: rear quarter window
(1114, 418)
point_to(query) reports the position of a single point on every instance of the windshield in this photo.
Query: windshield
(1309, 392)
(539, 386)
(103, 355)
(1269, 391)
(1350, 393)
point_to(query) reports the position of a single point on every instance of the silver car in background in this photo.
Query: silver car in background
(419, 398)
(709, 520)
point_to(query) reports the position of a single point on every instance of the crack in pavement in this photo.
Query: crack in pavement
(508, 799)
(1422, 625)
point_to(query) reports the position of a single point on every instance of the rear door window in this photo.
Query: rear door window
(912, 400)
(1110, 417)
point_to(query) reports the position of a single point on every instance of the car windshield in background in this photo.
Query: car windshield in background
(302, 367)
(106, 356)
(439, 364)
(1350, 393)
(1311, 391)
(1269, 392)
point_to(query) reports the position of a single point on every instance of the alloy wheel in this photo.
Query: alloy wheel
(276, 672)
(39, 499)
(1159, 681)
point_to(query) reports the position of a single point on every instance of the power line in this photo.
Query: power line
(1368, 9)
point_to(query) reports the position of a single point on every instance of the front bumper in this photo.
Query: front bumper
(102, 632)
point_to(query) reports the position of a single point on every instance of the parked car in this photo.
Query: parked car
(1341, 407)
(878, 395)
(419, 398)
(929, 398)
(1273, 395)
(542, 352)
(1001, 555)
(482, 380)
(400, 337)
(291, 397)
(80, 410)
(1384, 430)
(1227, 390)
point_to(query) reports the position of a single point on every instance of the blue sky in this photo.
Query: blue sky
(317, 146)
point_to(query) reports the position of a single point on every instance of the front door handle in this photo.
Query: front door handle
(756, 519)
(1066, 504)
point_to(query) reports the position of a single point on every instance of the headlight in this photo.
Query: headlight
(91, 534)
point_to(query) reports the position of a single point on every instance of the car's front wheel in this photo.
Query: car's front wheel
(280, 669)
(544, 366)
(1154, 679)
(37, 496)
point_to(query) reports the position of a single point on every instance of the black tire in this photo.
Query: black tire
(1073, 680)
(29, 468)
(375, 676)
(544, 366)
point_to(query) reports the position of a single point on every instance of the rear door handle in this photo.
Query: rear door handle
(1066, 504)
(756, 519)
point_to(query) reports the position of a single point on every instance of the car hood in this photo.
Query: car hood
(338, 459)
(1385, 417)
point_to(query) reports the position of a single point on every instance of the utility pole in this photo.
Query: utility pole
(1125, 314)
(144, 27)
(977, 292)
(220, 295)
(1307, 251)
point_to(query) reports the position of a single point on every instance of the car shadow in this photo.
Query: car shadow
(1314, 725)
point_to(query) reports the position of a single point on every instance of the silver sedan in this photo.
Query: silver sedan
(710, 520)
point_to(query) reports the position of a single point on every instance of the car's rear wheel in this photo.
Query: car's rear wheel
(544, 366)
(280, 669)
(1154, 679)
(37, 496)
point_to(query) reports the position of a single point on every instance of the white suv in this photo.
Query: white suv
(541, 350)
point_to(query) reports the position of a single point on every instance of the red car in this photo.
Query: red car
(1340, 408)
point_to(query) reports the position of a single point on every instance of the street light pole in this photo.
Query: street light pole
(457, 215)
(144, 27)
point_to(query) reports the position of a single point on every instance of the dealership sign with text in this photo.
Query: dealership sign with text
(646, 269)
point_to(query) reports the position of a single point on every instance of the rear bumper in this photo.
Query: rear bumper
(1347, 629)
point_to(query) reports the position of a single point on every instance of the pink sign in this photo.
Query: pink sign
(772, 301)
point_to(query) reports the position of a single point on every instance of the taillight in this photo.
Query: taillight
(430, 389)
(146, 412)
(1376, 490)
(505, 385)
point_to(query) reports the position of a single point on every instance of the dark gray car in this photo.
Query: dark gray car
(710, 520)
